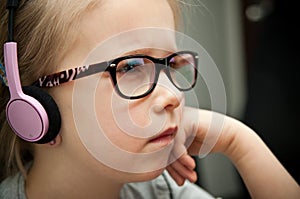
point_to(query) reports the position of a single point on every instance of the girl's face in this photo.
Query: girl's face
(129, 128)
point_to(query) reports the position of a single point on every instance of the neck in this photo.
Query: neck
(52, 181)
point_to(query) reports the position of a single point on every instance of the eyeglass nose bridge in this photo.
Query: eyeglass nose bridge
(162, 64)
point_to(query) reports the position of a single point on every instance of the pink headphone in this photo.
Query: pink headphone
(31, 112)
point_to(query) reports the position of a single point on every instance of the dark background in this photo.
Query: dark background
(272, 60)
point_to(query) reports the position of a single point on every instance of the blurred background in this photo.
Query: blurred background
(255, 44)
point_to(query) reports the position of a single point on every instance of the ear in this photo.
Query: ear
(55, 142)
(52, 111)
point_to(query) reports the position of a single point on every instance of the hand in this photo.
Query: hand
(199, 136)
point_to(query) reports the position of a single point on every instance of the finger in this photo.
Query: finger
(176, 176)
(187, 161)
(184, 172)
(184, 166)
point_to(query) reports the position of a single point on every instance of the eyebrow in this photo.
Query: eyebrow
(139, 51)
(150, 52)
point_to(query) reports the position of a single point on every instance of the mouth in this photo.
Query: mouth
(166, 137)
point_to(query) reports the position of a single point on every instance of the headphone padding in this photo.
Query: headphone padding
(50, 107)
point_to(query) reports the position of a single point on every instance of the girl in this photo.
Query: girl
(120, 157)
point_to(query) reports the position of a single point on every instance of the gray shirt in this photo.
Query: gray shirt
(159, 188)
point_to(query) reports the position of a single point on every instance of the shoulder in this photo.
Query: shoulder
(13, 187)
(163, 187)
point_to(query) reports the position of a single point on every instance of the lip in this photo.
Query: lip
(165, 137)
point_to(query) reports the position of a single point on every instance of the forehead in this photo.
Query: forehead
(120, 15)
(112, 17)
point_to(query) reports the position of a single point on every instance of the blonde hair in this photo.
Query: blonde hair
(44, 31)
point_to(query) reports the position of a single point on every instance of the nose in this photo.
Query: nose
(166, 95)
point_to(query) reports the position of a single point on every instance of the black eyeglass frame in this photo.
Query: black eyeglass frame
(56, 79)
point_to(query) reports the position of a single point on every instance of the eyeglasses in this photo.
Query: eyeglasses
(134, 76)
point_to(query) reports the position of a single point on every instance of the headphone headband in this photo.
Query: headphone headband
(11, 5)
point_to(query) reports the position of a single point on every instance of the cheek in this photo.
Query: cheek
(113, 109)
(109, 122)
(139, 114)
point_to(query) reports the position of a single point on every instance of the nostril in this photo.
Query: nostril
(173, 103)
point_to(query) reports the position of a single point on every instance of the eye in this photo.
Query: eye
(130, 65)
(180, 61)
(177, 62)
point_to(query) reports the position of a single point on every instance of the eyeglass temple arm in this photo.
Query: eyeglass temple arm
(70, 75)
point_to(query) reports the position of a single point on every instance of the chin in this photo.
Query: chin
(141, 177)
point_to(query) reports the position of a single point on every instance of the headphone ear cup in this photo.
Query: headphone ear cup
(50, 107)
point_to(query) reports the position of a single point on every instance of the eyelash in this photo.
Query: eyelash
(125, 69)
(129, 66)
